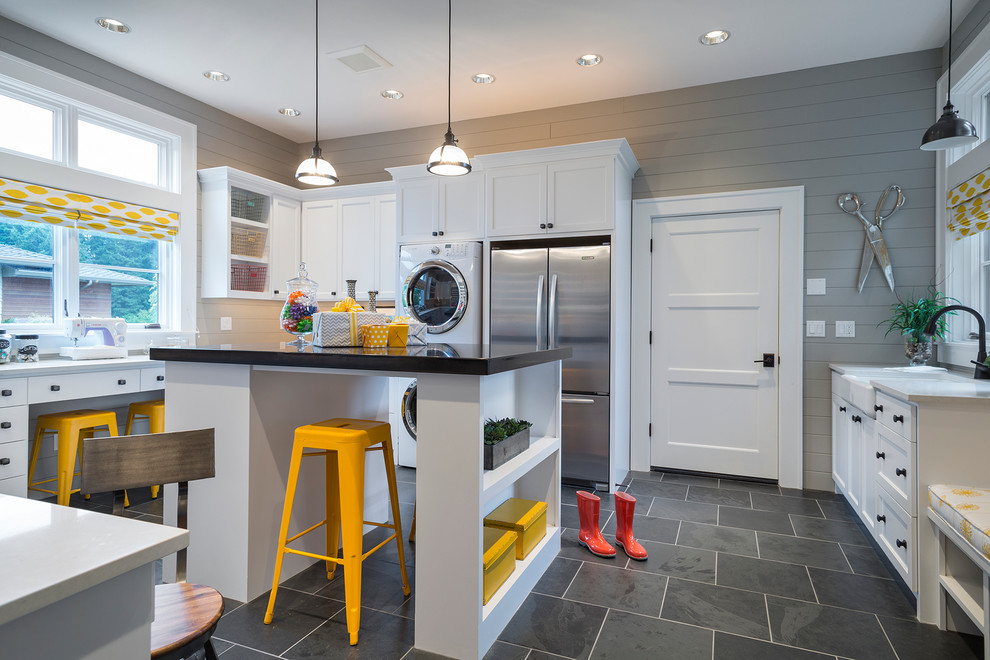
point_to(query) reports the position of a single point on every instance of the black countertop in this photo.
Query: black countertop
(467, 359)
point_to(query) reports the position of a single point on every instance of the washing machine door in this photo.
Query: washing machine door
(436, 294)
(409, 409)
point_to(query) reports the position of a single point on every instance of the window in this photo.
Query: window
(27, 293)
(27, 128)
(120, 154)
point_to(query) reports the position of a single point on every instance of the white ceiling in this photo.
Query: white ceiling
(266, 46)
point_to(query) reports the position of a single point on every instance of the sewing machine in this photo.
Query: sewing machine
(113, 331)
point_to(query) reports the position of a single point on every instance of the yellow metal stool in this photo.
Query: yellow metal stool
(343, 443)
(155, 412)
(69, 428)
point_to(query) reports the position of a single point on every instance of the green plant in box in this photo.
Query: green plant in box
(497, 430)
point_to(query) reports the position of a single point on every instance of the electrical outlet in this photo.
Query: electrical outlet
(226, 323)
(816, 286)
(816, 328)
(845, 328)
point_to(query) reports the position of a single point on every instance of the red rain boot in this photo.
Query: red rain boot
(625, 504)
(590, 536)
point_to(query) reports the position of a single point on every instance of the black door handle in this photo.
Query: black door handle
(842, 409)
(549, 225)
(877, 408)
(55, 388)
(882, 519)
(768, 360)
(435, 234)
(899, 418)
(6, 393)
(4, 461)
(121, 381)
(4, 425)
(543, 225)
(857, 419)
(441, 233)
(901, 472)
(881, 454)
(901, 543)
(159, 378)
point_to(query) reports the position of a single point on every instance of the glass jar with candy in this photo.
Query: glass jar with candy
(300, 305)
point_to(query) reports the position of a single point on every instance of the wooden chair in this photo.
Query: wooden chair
(185, 614)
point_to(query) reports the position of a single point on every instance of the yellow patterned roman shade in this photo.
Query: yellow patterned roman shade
(43, 204)
(968, 205)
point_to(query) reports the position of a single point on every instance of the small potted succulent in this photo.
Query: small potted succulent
(504, 438)
(909, 317)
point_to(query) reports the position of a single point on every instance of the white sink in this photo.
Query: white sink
(861, 394)
(854, 386)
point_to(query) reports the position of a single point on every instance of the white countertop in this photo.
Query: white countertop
(49, 364)
(920, 386)
(49, 552)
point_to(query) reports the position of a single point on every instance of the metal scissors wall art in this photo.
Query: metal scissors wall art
(874, 246)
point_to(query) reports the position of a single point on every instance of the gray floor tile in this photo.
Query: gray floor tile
(764, 521)
(381, 586)
(627, 636)
(690, 480)
(554, 625)
(677, 561)
(309, 580)
(750, 486)
(861, 592)
(557, 577)
(646, 476)
(771, 577)
(407, 492)
(237, 652)
(832, 630)
(296, 615)
(811, 494)
(663, 507)
(619, 589)
(569, 516)
(739, 498)
(811, 552)
(503, 651)
(917, 641)
(838, 510)
(219, 645)
(800, 506)
(571, 549)
(721, 608)
(865, 561)
(645, 528)
(405, 474)
(641, 489)
(829, 530)
(229, 605)
(719, 539)
(568, 495)
(381, 636)
(733, 647)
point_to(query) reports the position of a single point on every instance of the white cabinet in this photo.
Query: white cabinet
(320, 248)
(431, 207)
(840, 444)
(517, 200)
(284, 258)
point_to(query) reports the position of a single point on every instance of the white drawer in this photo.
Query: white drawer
(897, 534)
(896, 415)
(13, 392)
(83, 386)
(13, 459)
(896, 468)
(152, 378)
(13, 423)
(16, 486)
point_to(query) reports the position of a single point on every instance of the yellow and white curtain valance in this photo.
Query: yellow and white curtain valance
(44, 204)
(968, 205)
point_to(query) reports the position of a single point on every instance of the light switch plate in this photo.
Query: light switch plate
(816, 286)
(816, 328)
(845, 328)
(226, 323)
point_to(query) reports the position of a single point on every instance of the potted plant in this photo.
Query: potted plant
(909, 317)
(504, 438)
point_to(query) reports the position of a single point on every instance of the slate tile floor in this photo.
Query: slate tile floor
(736, 571)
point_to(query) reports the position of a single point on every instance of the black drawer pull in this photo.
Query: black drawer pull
(543, 225)
(899, 418)
(901, 544)
(7, 393)
(4, 425)
(842, 409)
(857, 419)
(549, 225)
(434, 233)
(121, 381)
(901, 472)
(882, 519)
(441, 233)
(877, 408)
(159, 378)
(55, 388)
(881, 454)
(4, 461)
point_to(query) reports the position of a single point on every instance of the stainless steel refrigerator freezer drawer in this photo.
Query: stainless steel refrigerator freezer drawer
(584, 438)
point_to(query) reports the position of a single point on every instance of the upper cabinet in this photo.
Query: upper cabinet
(433, 208)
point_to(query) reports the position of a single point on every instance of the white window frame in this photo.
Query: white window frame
(177, 189)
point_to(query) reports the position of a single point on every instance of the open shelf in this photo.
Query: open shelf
(494, 481)
(962, 593)
(527, 573)
(244, 222)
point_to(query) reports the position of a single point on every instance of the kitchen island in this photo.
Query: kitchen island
(256, 395)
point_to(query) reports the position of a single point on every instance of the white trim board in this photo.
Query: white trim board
(790, 203)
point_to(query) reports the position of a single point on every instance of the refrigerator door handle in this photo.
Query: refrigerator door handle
(552, 327)
(582, 401)
(540, 343)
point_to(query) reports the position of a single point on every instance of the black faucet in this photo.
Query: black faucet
(982, 370)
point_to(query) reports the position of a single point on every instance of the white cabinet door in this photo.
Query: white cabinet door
(283, 263)
(580, 196)
(388, 253)
(358, 244)
(867, 464)
(417, 210)
(840, 444)
(855, 492)
(516, 200)
(320, 246)
(462, 208)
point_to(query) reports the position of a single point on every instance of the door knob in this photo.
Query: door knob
(857, 419)
(881, 454)
(901, 543)
(882, 519)
(842, 409)
(901, 472)
(877, 408)
(768, 360)
(899, 418)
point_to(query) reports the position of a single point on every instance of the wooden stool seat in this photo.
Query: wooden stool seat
(155, 412)
(343, 443)
(69, 428)
(185, 617)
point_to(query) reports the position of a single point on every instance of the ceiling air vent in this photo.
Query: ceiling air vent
(360, 59)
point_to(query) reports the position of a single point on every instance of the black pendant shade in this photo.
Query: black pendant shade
(950, 130)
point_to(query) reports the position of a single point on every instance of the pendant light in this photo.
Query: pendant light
(950, 130)
(448, 159)
(315, 170)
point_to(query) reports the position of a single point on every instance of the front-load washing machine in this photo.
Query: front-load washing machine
(441, 287)
(403, 419)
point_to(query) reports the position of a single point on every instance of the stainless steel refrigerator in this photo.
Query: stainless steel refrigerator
(560, 296)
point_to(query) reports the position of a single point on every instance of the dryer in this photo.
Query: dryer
(440, 286)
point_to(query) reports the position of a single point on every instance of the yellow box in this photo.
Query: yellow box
(498, 562)
(397, 334)
(374, 336)
(528, 518)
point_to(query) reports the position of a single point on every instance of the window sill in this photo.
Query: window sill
(958, 353)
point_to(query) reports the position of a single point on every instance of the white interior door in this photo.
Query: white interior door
(715, 311)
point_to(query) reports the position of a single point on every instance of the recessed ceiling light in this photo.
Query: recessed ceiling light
(590, 59)
(219, 76)
(112, 25)
(392, 94)
(289, 112)
(483, 78)
(714, 37)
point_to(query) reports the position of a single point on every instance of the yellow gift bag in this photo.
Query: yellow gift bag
(375, 336)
